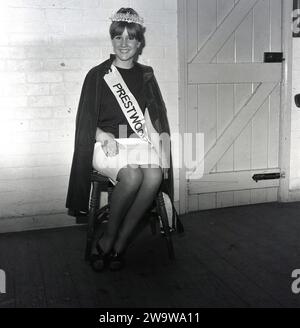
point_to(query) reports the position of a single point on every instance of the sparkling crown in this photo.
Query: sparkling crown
(128, 18)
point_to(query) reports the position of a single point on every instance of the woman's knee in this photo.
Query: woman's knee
(152, 176)
(130, 176)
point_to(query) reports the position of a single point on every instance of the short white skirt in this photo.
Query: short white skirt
(133, 152)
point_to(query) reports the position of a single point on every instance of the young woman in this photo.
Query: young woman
(120, 119)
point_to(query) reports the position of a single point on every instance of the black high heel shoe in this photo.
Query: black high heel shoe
(99, 261)
(116, 261)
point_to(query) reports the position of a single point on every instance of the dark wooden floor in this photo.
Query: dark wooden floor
(234, 257)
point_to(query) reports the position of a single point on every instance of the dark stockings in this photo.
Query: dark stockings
(132, 196)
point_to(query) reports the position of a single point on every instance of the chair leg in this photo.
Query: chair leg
(153, 224)
(94, 205)
(110, 190)
(165, 224)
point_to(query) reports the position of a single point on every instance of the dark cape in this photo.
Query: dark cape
(86, 125)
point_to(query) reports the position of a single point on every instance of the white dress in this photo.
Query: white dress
(132, 151)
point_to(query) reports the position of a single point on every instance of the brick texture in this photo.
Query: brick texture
(46, 48)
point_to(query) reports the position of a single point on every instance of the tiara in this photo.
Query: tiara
(128, 18)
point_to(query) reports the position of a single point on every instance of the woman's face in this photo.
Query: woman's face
(125, 48)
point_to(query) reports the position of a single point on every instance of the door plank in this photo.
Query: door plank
(242, 197)
(243, 40)
(272, 194)
(224, 7)
(225, 199)
(237, 125)
(225, 107)
(261, 30)
(224, 31)
(225, 92)
(192, 35)
(192, 122)
(276, 26)
(260, 128)
(226, 53)
(274, 119)
(242, 149)
(193, 203)
(207, 21)
(258, 196)
(207, 114)
(207, 201)
(230, 181)
(225, 164)
(234, 73)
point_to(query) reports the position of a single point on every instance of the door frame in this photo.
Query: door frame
(285, 107)
(182, 98)
(286, 101)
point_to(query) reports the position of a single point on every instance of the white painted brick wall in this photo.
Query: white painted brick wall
(46, 49)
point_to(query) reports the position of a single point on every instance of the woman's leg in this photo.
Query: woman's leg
(152, 178)
(124, 193)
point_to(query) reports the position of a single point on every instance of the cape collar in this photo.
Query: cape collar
(147, 70)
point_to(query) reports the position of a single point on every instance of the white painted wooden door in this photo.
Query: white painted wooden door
(233, 97)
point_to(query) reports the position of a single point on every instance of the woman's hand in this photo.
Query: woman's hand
(110, 147)
(108, 142)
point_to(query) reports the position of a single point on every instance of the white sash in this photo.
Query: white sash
(129, 105)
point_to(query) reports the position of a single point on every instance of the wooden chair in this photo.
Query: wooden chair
(97, 215)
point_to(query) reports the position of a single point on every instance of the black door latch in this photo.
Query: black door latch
(265, 176)
(273, 57)
(297, 100)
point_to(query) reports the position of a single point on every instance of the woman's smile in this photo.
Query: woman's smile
(125, 49)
